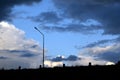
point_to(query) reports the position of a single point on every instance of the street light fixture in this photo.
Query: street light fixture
(43, 42)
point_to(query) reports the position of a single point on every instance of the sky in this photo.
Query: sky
(76, 32)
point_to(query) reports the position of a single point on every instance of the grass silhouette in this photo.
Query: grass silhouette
(73, 73)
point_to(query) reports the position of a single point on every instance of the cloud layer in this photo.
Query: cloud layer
(104, 12)
(6, 5)
(108, 53)
(72, 60)
(46, 17)
(16, 50)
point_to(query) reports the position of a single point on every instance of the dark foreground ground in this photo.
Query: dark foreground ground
(71, 73)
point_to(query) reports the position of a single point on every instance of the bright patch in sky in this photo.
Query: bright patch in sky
(110, 63)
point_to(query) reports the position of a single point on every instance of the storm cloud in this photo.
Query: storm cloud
(7, 5)
(104, 11)
(46, 17)
(69, 58)
(86, 27)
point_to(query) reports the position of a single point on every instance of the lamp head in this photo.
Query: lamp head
(35, 28)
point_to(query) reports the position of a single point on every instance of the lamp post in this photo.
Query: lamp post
(43, 42)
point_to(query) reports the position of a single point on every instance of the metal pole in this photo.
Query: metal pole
(43, 51)
(43, 42)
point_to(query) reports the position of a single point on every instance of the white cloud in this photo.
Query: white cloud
(109, 53)
(53, 64)
(17, 49)
(110, 63)
(97, 49)
(86, 59)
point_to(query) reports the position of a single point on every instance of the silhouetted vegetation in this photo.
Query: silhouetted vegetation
(91, 72)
